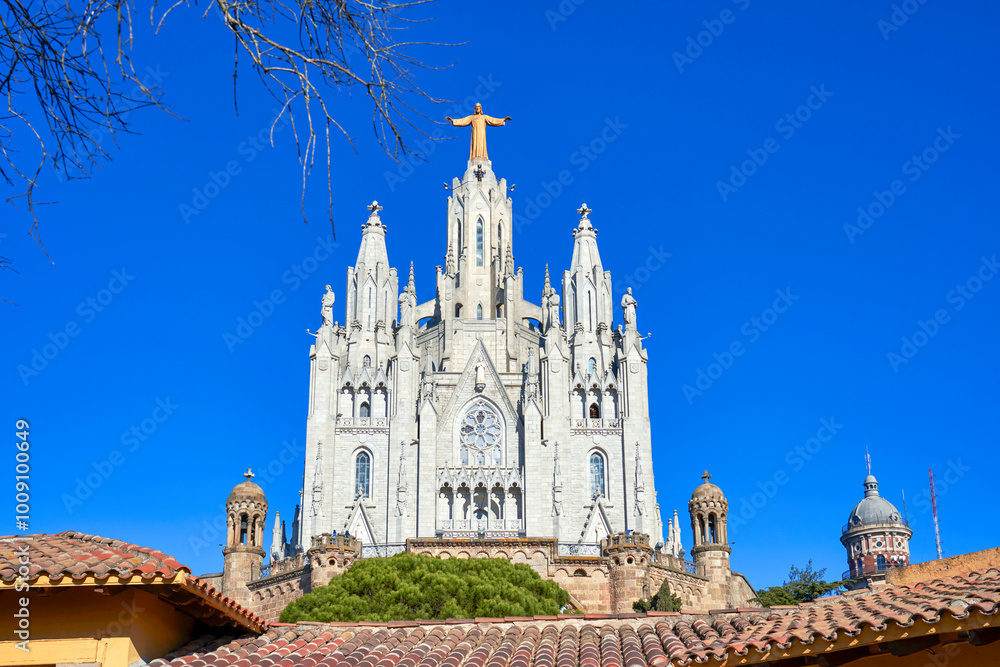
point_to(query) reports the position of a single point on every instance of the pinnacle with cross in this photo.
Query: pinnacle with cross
(584, 211)
(248, 474)
(479, 173)
(706, 477)
(374, 207)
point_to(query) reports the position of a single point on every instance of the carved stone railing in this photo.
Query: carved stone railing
(592, 424)
(579, 550)
(362, 422)
(382, 550)
(490, 528)
(473, 476)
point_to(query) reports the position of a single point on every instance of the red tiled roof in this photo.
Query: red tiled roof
(78, 556)
(70, 556)
(636, 641)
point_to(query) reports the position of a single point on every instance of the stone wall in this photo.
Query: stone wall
(945, 567)
(627, 571)
(270, 595)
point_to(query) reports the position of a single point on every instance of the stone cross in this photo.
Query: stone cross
(248, 474)
(374, 207)
(584, 211)
(706, 477)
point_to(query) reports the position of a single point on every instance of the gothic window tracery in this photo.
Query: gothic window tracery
(481, 435)
(596, 475)
(592, 366)
(362, 475)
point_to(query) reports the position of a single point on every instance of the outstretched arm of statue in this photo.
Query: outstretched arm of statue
(459, 122)
(496, 122)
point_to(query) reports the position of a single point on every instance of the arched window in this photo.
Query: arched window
(479, 242)
(499, 237)
(595, 412)
(479, 312)
(499, 310)
(366, 362)
(596, 475)
(458, 310)
(362, 475)
(880, 561)
(592, 366)
(365, 411)
(244, 529)
(461, 248)
(713, 536)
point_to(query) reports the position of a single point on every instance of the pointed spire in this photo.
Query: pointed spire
(548, 283)
(411, 286)
(508, 262)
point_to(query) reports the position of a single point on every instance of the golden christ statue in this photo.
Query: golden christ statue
(478, 121)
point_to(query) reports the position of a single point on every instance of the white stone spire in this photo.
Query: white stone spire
(586, 286)
(372, 289)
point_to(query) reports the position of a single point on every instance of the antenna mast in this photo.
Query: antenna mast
(937, 528)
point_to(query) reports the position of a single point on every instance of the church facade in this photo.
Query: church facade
(483, 423)
(478, 412)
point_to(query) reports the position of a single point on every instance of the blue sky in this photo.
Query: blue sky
(725, 148)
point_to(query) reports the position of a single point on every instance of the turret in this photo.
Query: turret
(243, 556)
(709, 509)
(876, 538)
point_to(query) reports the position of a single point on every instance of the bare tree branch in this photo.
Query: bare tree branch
(68, 84)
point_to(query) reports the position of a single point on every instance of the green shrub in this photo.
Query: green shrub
(408, 586)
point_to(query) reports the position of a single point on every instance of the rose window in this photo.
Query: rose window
(481, 434)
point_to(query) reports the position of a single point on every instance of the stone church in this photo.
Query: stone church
(481, 423)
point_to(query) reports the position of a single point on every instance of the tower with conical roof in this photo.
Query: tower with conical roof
(876, 538)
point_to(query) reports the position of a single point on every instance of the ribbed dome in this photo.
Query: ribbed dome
(873, 508)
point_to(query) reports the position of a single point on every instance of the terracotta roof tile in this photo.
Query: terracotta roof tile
(628, 640)
(75, 556)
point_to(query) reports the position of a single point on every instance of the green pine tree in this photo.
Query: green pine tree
(409, 586)
(664, 600)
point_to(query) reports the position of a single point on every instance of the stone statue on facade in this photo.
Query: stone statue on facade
(401, 482)
(327, 309)
(628, 308)
(478, 121)
(480, 375)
